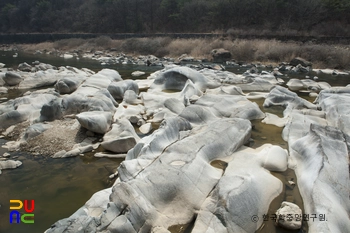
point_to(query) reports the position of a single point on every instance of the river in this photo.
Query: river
(60, 186)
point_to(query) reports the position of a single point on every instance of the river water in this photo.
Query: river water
(61, 186)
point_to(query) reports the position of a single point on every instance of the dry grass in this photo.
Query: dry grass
(264, 51)
(145, 46)
(35, 47)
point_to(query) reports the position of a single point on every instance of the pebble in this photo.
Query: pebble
(146, 128)
(137, 73)
(291, 182)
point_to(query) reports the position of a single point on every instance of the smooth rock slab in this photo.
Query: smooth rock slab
(170, 202)
(280, 96)
(95, 121)
(321, 163)
(230, 106)
(241, 192)
(336, 104)
(152, 192)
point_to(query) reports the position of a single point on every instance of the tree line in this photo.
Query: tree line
(327, 17)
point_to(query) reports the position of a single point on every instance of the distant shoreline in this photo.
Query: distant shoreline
(13, 38)
(264, 51)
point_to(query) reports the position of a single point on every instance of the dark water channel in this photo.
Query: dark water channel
(61, 186)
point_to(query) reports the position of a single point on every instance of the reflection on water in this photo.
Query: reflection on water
(124, 70)
(58, 186)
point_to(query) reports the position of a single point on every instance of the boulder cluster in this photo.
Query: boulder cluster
(172, 128)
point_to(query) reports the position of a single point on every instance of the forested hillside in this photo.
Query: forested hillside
(324, 17)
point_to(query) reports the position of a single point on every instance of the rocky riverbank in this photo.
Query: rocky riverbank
(167, 49)
(171, 128)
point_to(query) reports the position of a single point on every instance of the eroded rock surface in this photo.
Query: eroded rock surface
(319, 153)
(168, 177)
(321, 163)
(241, 192)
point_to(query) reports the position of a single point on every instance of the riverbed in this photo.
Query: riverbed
(59, 187)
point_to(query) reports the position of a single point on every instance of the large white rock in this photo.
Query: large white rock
(68, 84)
(307, 84)
(24, 108)
(295, 84)
(336, 104)
(170, 202)
(146, 128)
(230, 106)
(172, 159)
(112, 75)
(48, 77)
(75, 103)
(241, 193)
(319, 155)
(289, 216)
(137, 73)
(121, 138)
(11, 78)
(129, 111)
(117, 89)
(177, 77)
(9, 164)
(321, 162)
(280, 96)
(95, 121)
(130, 97)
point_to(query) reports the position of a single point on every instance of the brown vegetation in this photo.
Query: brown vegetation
(264, 51)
